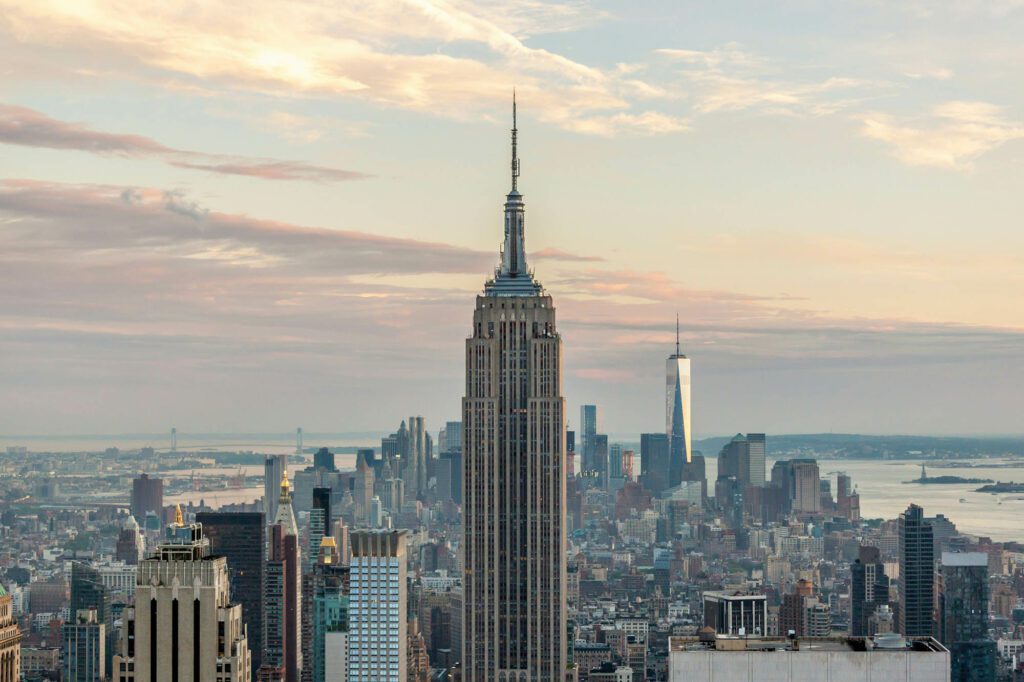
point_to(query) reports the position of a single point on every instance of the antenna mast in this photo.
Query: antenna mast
(515, 155)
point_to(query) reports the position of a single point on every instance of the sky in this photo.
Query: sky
(250, 221)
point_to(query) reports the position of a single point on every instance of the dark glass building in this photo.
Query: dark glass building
(917, 574)
(869, 589)
(963, 616)
(239, 537)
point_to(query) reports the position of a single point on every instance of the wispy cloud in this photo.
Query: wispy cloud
(453, 59)
(953, 137)
(729, 78)
(30, 128)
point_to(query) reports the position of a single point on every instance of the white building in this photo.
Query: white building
(891, 658)
(377, 606)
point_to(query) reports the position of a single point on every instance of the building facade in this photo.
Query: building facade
(239, 537)
(963, 596)
(514, 536)
(917, 574)
(378, 630)
(182, 626)
(10, 640)
(677, 412)
(84, 648)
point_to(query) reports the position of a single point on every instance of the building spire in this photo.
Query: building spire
(515, 155)
(677, 334)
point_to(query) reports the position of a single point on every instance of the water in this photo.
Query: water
(884, 495)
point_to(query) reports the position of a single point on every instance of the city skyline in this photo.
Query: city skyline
(229, 234)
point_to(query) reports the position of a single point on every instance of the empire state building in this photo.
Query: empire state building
(514, 542)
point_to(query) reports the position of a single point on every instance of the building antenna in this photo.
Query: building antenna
(677, 334)
(515, 155)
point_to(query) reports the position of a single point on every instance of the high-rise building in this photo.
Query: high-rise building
(274, 468)
(869, 589)
(654, 462)
(88, 591)
(84, 653)
(514, 535)
(324, 459)
(329, 609)
(917, 574)
(847, 499)
(677, 412)
(282, 655)
(319, 523)
(239, 537)
(378, 607)
(755, 463)
(130, 545)
(588, 429)
(963, 592)
(799, 483)
(147, 496)
(10, 640)
(736, 613)
(414, 471)
(363, 490)
(183, 625)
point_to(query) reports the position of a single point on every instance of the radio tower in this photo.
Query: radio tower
(298, 441)
(174, 439)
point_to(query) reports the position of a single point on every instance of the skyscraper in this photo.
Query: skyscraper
(514, 536)
(273, 470)
(282, 655)
(654, 462)
(588, 429)
(239, 538)
(415, 470)
(147, 496)
(84, 648)
(917, 574)
(963, 615)
(378, 605)
(869, 589)
(183, 625)
(677, 412)
(10, 640)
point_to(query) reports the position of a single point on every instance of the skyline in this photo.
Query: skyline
(840, 247)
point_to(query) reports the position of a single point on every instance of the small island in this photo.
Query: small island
(948, 480)
(1001, 487)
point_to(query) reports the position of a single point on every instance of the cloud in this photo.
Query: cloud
(729, 78)
(126, 308)
(955, 135)
(560, 255)
(29, 128)
(458, 59)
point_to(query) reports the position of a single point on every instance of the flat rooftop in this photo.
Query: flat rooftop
(775, 644)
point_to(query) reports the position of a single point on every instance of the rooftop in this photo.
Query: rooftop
(964, 559)
(882, 644)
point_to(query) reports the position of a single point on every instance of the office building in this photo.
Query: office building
(963, 593)
(84, 648)
(88, 591)
(587, 431)
(10, 640)
(282, 650)
(130, 545)
(274, 468)
(754, 659)
(147, 496)
(324, 459)
(329, 598)
(414, 471)
(363, 490)
(677, 412)
(917, 574)
(736, 613)
(654, 462)
(239, 537)
(869, 589)
(514, 536)
(183, 625)
(377, 606)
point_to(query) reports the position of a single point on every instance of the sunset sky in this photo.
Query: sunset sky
(254, 216)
